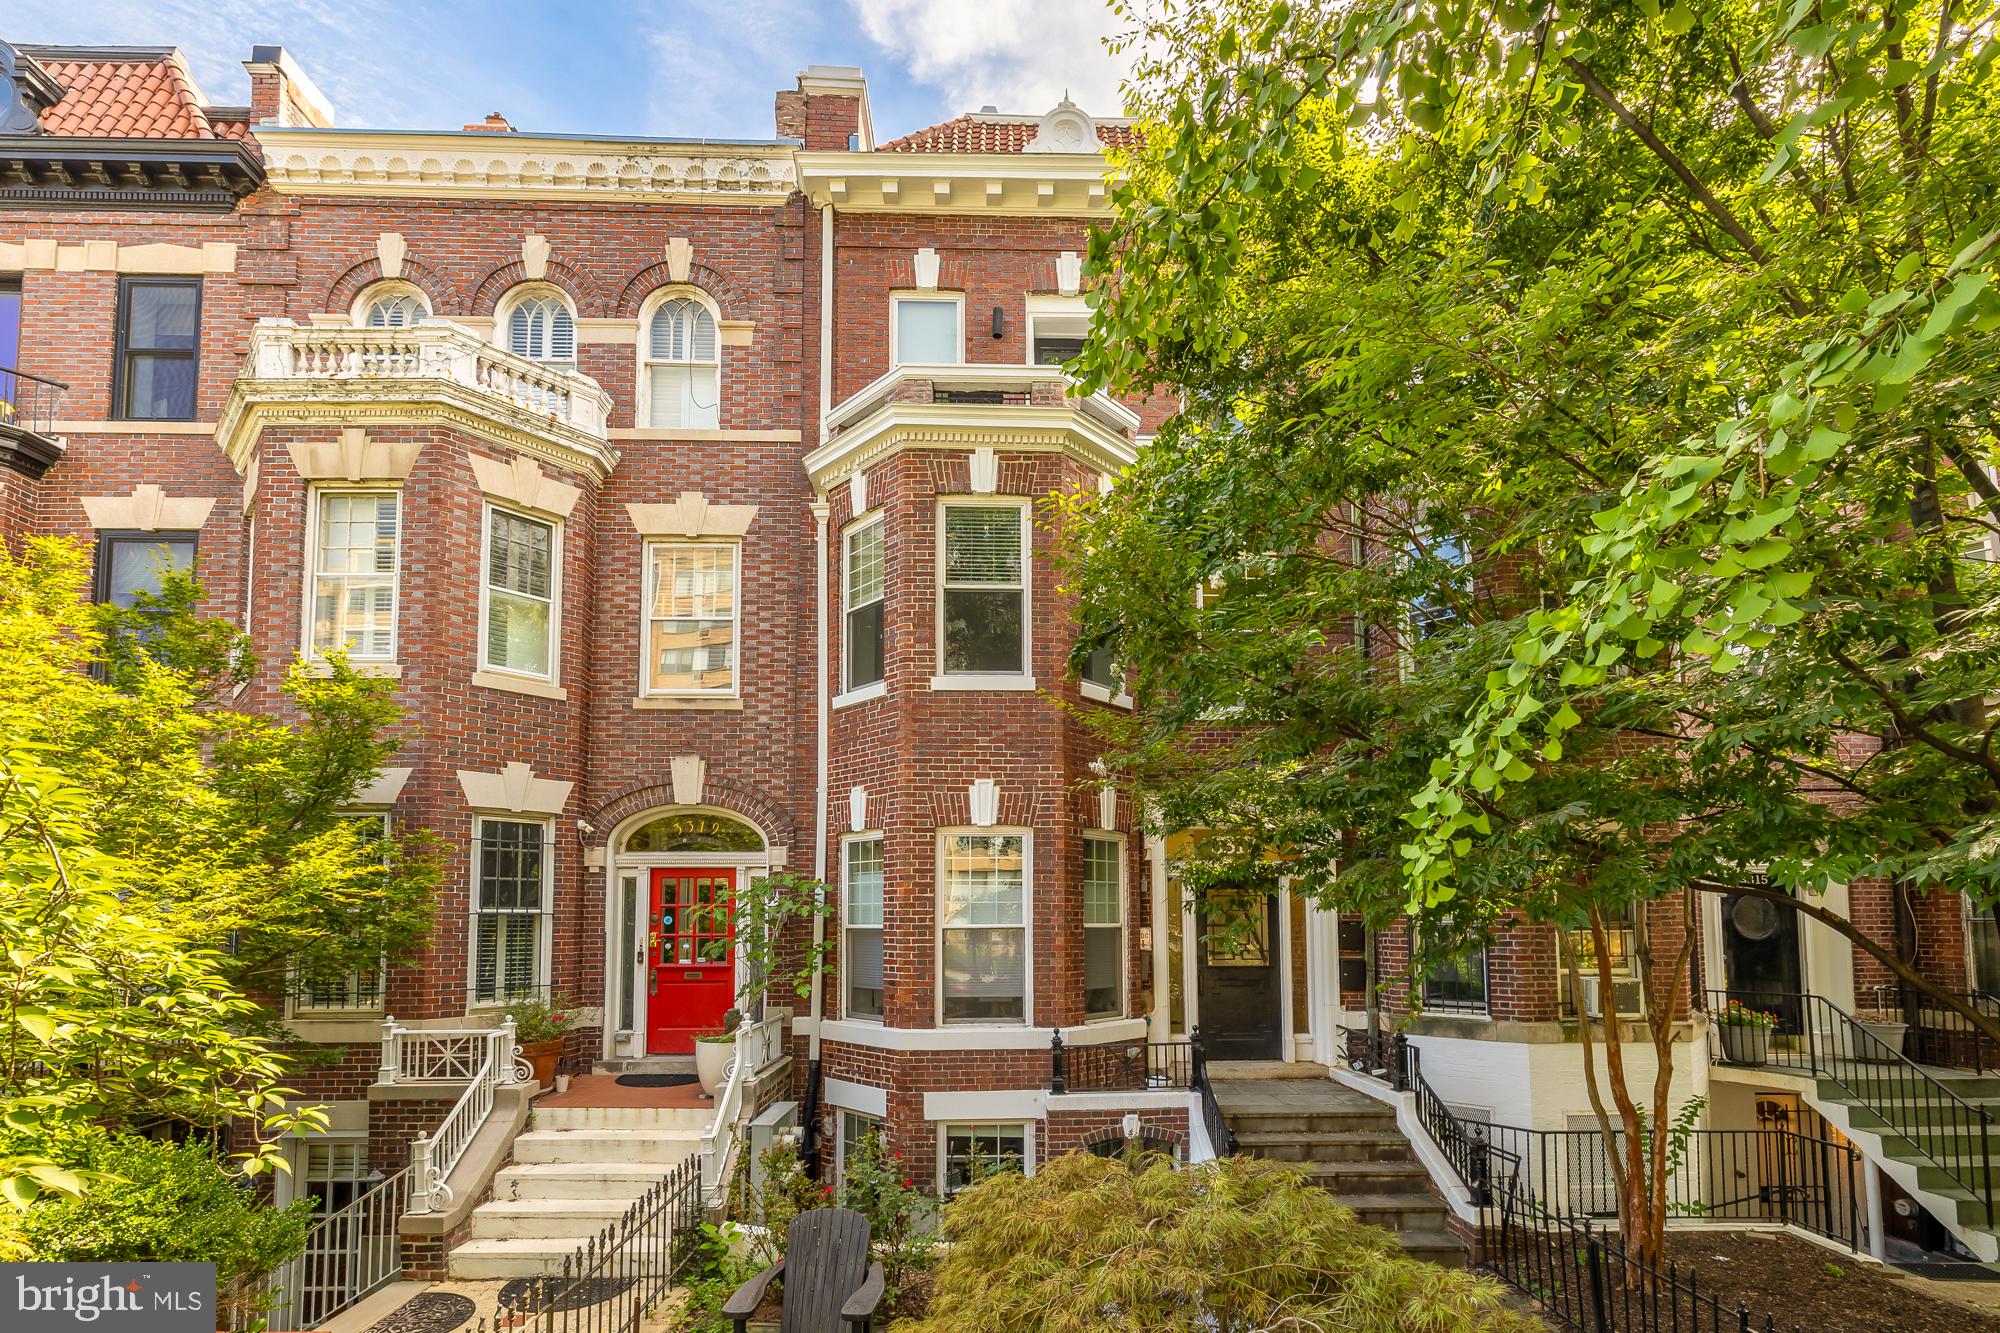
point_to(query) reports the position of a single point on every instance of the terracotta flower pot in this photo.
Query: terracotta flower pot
(1745, 1044)
(711, 1062)
(542, 1057)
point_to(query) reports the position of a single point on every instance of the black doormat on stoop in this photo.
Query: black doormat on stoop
(656, 1080)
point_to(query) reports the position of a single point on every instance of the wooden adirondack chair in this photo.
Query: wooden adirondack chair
(829, 1283)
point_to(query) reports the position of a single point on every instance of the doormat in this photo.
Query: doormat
(656, 1080)
(1950, 1272)
(427, 1312)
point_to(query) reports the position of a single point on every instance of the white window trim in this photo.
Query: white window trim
(553, 676)
(1123, 927)
(840, 1114)
(873, 690)
(956, 299)
(851, 692)
(519, 293)
(1051, 307)
(642, 388)
(944, 1128)
(846, 841)
(1024, 679)
(544, 919)
(1027, 927)
(647, 590)
(383, 290)
(308, 649)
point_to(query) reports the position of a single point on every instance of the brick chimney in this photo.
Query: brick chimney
(495, 123)
(828, 110)
(283, 94)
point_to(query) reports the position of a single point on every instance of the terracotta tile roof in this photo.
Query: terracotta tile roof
(146, 96)
(983, 134)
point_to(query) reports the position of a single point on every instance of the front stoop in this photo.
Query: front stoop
(1349, 1146)
(573, 1175)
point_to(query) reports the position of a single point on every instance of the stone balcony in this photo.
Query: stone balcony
(435, 371)
(1002, 407)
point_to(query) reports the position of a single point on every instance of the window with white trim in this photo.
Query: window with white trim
(926, 330)
(973, 1151)
(863, 574)
(983, 589)
(354, 569)
(510, 913)
(1103, 927)
(692, 615)
(332, 1172)
(983, 928)
(683, 367)
(855, 1128)
(542, 328)
(861, 870)
(518, 595)
(394, 308)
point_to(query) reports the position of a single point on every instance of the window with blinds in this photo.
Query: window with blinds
(982, 916)
(354, 563)
(862, 567)
(396, 310)
(683, 370)
(692, 618)
(862, 871)
(1103, 927)
(926, 330)
(542, 328)
(985, 593)
(520, 594)
(510, 909)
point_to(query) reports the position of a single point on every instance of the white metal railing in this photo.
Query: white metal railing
(350, 1254)
(436, 351)
(485, 1058)
(1013, 385)
(757, 1045)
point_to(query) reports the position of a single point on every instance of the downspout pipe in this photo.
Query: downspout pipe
(821, 511)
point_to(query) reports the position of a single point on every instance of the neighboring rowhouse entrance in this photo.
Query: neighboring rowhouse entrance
(694, 965)
(1237, 980)
(1760, 957)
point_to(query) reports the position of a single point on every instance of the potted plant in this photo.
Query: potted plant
(539, 1027)
(713, 1052)
(1746, 1033)
(1888, 1029)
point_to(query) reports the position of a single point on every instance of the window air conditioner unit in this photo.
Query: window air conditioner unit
(1624, 990)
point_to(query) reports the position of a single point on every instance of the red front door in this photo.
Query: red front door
(693, 962)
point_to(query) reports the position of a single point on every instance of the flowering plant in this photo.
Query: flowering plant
(538, 1020)
(1737, 1014)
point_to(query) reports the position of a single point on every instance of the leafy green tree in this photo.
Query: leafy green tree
(1587, 440)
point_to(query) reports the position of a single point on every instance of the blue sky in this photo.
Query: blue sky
(645, 67)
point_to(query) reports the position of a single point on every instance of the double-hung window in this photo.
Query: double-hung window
(983, 593)
(354, 567)
(132, 566)
(518, 601)
(927, 330)
(158, 342)
(683, 371)
(1103, 927)
(863, 569)
(510, 909)
(862, 873)
(971, 1152)
(691, 618)
(983, 928)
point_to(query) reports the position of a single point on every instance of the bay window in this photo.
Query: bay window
(510, 909)
(862, 571)
(518, 595)
(1103, 927)
(354, 569)
(861, 868)
(983, 928)
(983, 589)
(692, 617)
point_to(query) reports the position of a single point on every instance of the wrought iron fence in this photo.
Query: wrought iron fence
(615, 1277)
(1587, 1283)
(1119, 1066)
(349, 1255)
(1221, 1138)
(1943, 1037)
(29, 402)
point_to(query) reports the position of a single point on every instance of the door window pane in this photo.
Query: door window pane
(983, 918)
(692, 626)
(985, 589)
(926, 332)
(354, 574)
(520, 593)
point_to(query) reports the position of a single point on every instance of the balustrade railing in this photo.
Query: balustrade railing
(1119, 1066)
(439, 351)
(29, 402)
(349, 1255)
(485, 1058)
(757, 1044)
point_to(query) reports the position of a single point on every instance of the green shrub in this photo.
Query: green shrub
(1108, 1245)
(165, 1202)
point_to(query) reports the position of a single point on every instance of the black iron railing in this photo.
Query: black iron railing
(1587, 1283)
(1119, 1066)
(1220, 1136)
(1950, 1133)
(611, 1281)
(29, 402)
(1941, 1036)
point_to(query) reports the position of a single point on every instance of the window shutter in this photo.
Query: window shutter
(562, 334)
(496, 632)
(520, 331)
(982, 545)
(670, 394)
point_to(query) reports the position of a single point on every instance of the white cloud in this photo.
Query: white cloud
(711, 57)
(1017, 55)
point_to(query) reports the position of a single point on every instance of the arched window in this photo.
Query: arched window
(542, 328)
(694, 831)
(683, 373)
(391, 305)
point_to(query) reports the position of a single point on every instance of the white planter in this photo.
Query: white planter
(1889, 1032)
(562, 1082)
(711, 1063)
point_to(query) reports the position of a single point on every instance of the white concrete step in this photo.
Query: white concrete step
(696, 1118)
(578, 1180)
(582, 1146)
(542, 1219)
(478, 1260)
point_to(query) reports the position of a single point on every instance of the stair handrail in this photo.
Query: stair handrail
(756, 1044)
(1941, 1111)
(434, 1156)
(1465, 1143)
(1221, 1138)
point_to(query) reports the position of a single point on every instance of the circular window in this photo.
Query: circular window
(1754, 918)
(695, 832)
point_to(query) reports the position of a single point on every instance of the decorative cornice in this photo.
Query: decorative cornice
(521, 481)
(148, 509)
(692, 516)
(65, 172)
(519, 166)
(899, 426)
(993, 184)
(514, 789)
